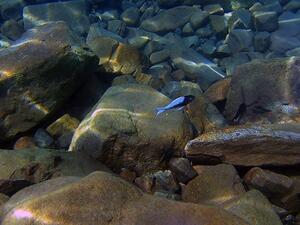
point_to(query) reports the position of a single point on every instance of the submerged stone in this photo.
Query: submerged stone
(73, 13)
(123, 130)
(35, 86)
(100, 198)
(264, 145)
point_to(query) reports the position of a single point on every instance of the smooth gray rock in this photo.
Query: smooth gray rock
(167, 20)
(239, 40)
(265, 21)
(131, 16)
(71, 12)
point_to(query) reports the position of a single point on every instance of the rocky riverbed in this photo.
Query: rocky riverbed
(81, 142)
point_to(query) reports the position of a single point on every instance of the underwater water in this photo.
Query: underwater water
(139, 112)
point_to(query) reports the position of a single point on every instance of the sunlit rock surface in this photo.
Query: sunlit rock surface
(101, 198)
(114, 54)
(72, 13)
(272, 145)
(36, 165)
(254, 208)
(265, 91)
(123, 130)
(214, 185)
(38, 74)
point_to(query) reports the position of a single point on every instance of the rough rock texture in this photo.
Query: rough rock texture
(35, 86)
(101, 198)
(36, 165)
(71, 12)
(265, 92)
(214, 185)
(272, 145)
(123, 130)
(254, 208)
(168, 20)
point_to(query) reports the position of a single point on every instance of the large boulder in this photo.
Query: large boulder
(123, 130)
(102, 198)
(167, 20)
(38, 74)
(265, 145)
(265, 91)
(71, 12)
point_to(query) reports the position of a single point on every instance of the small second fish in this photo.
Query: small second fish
(177, 103)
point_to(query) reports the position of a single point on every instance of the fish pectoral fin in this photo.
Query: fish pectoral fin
(159, 110)
(180, 108)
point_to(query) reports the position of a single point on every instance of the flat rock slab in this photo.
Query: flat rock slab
(266, 145)
(102, 199)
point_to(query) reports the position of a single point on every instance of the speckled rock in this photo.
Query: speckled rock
(38, 84)
(72, 12)
(123, 130)
(265, 91)
(265, 145)
(102, 198)
(214, 185)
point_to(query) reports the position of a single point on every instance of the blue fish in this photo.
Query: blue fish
(177, 103)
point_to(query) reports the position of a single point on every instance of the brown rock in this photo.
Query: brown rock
(214, 185)
(218, 91)
(24, 143)
(102, 198)
(10, 186)
(268, 182)
(272, 145)
(36, 165)
(3, 200)
(289, 200)
(64, 125)
(37, 85)
(128, 175)
(123, 130)
(146, 183)
(265, 92)
(182, 169)
(254, 208)
(204, 115)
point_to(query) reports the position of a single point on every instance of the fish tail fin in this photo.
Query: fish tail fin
(159, 111)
